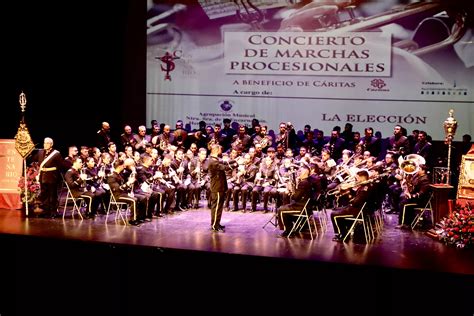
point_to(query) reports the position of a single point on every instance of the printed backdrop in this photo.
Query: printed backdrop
(216, 59)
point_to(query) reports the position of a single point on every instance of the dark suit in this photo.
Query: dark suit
(49, 179)
(285, 212)
(218, 181)
(339, 216)
(78, 186)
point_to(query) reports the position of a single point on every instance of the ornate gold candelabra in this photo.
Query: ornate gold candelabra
(450, 125)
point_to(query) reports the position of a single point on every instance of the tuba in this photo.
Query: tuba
(411, 163)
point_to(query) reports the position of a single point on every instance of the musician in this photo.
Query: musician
(163, 141)
(362, 194)
(251, 167)
(199, 177)
(141, 139)
(241, 141)
(218, 186)
(266, 179)
(335, 145)
(286, 181)
(215, 137)
(72, 155)
(122, 189)
(146, 177)
(254, 129)
(233, 177)
(84, 154)
(180, 165)
(128, 152)
(399, 144)
(263, 139)
(423, 147)
(301, 155)
(113, 152)
(94, 180)
(308, 142)
(127, 138)
(416, 192)
(167, 183)
(327, 166)
(180, 135)
(103, 136)
(50, 163)
(369, 143)
(287, 136)
(76, 181)
(302, 193)
(226, 134)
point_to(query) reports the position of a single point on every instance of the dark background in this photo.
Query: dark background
(79, 63)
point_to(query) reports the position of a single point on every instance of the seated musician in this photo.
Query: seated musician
(415, 194)
(362, 195)
(302, 193)
(76, 182)
(122, 191)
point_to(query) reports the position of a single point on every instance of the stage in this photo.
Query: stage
(180, 257)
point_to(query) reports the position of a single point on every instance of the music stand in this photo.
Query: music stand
(274, 219)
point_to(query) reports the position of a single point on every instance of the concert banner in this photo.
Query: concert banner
(376, 64)
(10, 173)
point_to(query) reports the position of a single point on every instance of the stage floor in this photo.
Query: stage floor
(245, 235)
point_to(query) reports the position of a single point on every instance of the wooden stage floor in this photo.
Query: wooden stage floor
(181, 244)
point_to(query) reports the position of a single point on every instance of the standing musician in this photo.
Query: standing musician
(241, 141)
(50, 163)
(265, 141)
(415, 192)
(163, 141)
(287, 136)
(76, 181)
(302, 193)
(398, 143)
(335, 145)
(180, 135)
(369, 143)
(103, 136)
(423, 148)
(141, 139)
(122, 191)
(218, 186)
(127, 138)
(362, 194)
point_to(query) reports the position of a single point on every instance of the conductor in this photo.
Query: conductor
(217, 169)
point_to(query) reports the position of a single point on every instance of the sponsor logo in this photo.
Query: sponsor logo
(378, 85)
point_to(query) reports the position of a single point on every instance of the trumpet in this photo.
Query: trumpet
(327, 18)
